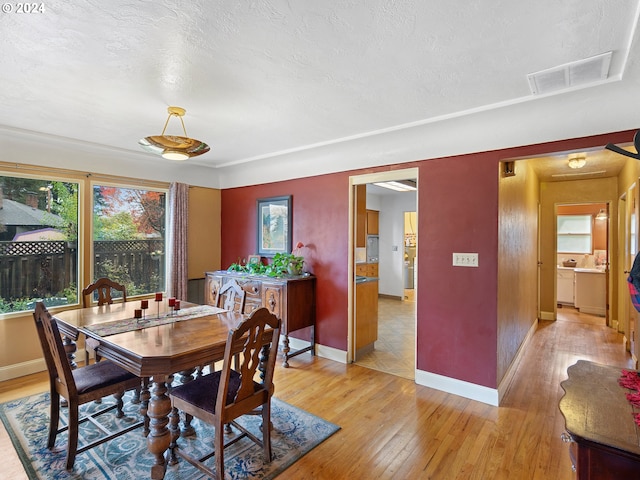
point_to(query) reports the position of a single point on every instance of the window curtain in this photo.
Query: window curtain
(178, 212)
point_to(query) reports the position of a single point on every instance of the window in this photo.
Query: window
(129, 237)
(38, 242)
(574, 234)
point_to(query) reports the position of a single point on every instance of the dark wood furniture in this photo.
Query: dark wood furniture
(78, 387)
(156, 352)
(292, 300)
(604, 439)
(221, 397)
(231, 297)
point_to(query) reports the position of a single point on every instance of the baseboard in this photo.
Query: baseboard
(21, 369)
(547, 316)
(510, 373)
(32, 366)
(458, 387)
(392, 297)
(322, 351)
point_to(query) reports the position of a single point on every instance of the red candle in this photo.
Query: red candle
(172, 302)
(137, 313)
(159, 297)
(177, 305)
(144, 304)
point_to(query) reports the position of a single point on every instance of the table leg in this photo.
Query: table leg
(145, 395)
(159, 437)
(187, 376)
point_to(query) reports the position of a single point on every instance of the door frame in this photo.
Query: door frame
(384, 176)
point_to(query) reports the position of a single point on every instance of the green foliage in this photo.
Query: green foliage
(65, 205)
(119, 226)
(282, 265)
(18, 305)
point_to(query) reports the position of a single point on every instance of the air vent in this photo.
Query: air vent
(574, 74)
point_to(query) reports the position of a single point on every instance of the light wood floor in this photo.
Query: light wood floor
(395, 429)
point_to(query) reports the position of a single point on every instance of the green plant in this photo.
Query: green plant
(285, 264)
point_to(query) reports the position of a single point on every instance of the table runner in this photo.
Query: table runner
(152, 320)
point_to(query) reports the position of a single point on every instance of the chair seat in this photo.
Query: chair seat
(201, 392)
(99, 375)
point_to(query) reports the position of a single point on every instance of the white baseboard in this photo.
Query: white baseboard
(323, 351)
(21, 369)
(32, 366)
(547, 316)
(458, 387)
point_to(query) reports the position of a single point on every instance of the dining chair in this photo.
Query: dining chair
(224, 395)
(231, 296)
(79, 386)
(103, 287)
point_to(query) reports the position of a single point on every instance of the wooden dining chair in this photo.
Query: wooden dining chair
(78, 387)
(231, 297)
(221, 397)
(103, 287)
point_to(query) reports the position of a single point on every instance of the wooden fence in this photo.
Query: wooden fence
(46, 268)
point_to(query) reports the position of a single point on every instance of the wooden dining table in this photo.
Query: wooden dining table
(193, 336)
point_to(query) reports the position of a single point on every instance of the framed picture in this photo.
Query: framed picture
(274, 225)
(253, 259)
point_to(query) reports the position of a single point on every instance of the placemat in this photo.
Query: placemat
(152, 320)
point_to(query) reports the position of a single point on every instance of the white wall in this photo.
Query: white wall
(391, 263)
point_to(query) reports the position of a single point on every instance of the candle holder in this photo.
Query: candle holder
(176, 305)
(144, 305)
(172, 304)
(158, 300)
(137, 314)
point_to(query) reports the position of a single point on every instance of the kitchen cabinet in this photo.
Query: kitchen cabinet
(373, 225)
(366, 315)
(604, 441)
(367, 270)
(292, 300)
(590, 291)
(565, 286)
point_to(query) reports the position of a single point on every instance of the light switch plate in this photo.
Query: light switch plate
(465, 259)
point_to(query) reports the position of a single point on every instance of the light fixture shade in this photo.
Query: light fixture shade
(173, 147)
(577, 162)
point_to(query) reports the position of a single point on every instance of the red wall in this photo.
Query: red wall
(320, 222)
(458, 212)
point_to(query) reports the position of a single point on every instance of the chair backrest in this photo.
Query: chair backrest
(60, 375)
(231, 296)
(103, 286)
(261, 329)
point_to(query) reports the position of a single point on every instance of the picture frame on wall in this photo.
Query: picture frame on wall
(274, 231)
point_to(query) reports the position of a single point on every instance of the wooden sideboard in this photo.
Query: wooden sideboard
(291, 299)
(603, 436)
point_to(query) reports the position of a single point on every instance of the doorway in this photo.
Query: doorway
(384, 340)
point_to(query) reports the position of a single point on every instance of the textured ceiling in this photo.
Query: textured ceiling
(265, 78)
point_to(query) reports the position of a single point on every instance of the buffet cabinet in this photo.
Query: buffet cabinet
(604, 440)
(291, 299)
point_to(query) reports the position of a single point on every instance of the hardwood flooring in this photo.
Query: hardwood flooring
(392, 428)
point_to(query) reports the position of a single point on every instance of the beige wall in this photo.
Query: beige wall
(517, 262)
(204, 238)
(603, 190)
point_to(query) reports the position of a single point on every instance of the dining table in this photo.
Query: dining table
(155, 343)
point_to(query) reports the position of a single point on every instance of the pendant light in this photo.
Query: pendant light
(174, 147)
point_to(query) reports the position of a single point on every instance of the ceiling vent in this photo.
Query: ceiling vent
(574, 74)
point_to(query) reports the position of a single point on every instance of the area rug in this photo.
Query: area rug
(295, 432)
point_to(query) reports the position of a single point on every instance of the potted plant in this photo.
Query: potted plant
(285, 264)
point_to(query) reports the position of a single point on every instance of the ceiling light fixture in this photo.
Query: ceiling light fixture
(398, 186)
(174, 147)
(577, 162)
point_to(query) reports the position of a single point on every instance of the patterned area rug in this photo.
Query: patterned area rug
(295, 432)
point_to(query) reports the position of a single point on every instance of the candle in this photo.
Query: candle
(177, 305)
(159, 297)
(144, 304)
(172, 302)
(137, 313)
